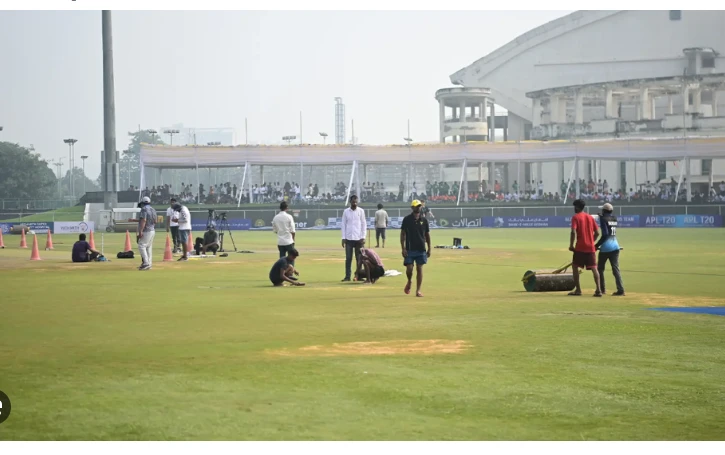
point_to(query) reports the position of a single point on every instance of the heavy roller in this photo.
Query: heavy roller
(549, 281)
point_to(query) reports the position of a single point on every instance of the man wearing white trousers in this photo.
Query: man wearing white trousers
(145, 232)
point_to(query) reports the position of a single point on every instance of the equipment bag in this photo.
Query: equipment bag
(125, 255)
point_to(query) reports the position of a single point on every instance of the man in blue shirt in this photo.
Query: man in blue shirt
(609, 248)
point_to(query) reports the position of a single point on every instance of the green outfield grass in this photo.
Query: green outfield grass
(209, 350)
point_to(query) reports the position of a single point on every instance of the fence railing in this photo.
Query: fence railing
(34, 204)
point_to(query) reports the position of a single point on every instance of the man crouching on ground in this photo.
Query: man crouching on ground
(82, 251)
(369, 267)
(284, 270)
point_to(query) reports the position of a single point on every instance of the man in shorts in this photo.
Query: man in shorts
(414, 236)
(284, 270)
(381, 224)
(369, 267)
(585, 231)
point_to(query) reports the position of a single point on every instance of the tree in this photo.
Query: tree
(130, 166)
(78, 179)
(23, 174)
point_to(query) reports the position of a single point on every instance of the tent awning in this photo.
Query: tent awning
(180, 157)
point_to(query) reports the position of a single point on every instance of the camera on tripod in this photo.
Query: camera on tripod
(219, 220)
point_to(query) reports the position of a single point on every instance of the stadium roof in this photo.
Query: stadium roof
(642, 149)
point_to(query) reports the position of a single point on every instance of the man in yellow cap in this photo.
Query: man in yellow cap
(414, 237)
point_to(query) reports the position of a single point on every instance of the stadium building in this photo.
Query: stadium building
(599, 75)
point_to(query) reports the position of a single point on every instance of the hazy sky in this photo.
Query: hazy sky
(213, 69)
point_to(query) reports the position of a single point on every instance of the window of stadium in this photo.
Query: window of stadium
(675, 15)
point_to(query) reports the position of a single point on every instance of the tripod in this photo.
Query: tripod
(224, 224)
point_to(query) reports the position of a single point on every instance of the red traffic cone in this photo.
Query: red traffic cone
(23, 242)
(2, 243)
(189, 244)
(167, 250)
(35, 255)
(127, 247)
(49, 242)
(92, 242)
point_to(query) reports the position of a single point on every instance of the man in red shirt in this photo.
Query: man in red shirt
(585, 231)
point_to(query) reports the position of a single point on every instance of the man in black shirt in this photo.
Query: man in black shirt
(414, 236)
(210, 242)
(284, 270)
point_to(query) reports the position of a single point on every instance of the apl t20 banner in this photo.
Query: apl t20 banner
(682, 221)
(626, 221)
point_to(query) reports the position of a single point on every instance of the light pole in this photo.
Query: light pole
(289, 139)
(58, 165)
(324, 138)
(83, 160)
(71, 159)
(153, 134)
(408, 140)
(171, 135)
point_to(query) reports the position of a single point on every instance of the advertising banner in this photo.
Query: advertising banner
(626, 221)
(233, 224)
(682, 221)
(39, 227)
(73, 227)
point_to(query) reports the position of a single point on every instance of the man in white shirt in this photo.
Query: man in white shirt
(284, 226)
(354, 229)
(381, 223)
(172, 226)
(184, 220)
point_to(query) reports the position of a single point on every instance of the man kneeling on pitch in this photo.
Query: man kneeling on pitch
(210, 242)
(369, 266)
(82, 251)
(284, 270)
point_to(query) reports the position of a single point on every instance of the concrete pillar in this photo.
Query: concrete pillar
(685, 97)
(539, 173)
(653, 108)
(480, 172)
(644, 104)
(536, 112)
(697, 100)
(608, 104)
(638, 111)
(670, 107)
(560, 176)
(554, 101)
(491, 175)
(442, 117)
(714, 103)
(579, 108)
(463, 111)
(493, 123)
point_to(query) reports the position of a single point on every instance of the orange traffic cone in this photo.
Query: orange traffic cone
(92, 242)
(49, 242)
(2, 243)
(189, 244)
(167, 250)
(23, 243)
(35, 255)
(128, 242)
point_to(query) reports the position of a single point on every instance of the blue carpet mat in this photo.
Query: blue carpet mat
(716, 310)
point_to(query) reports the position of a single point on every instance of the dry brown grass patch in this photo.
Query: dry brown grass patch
(366, 348)
(664, 300)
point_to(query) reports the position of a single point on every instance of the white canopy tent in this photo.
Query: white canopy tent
(641, 149)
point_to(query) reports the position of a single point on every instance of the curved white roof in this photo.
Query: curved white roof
(170, 157)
